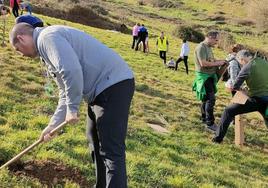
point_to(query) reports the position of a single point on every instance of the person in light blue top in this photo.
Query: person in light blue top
(85, 68)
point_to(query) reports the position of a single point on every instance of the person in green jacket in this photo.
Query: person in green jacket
(204, 85)
(255, 73)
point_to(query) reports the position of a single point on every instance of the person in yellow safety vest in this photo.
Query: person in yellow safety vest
(162, 46)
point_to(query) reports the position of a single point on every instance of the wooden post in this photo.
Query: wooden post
(239, 131)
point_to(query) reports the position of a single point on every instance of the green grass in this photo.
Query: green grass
(183, 158)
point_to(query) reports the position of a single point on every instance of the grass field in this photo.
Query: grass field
(185, 157)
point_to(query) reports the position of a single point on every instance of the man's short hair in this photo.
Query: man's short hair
(213, 34)
(20, 29)
(243, 54)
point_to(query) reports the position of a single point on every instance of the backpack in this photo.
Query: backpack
(226, 75)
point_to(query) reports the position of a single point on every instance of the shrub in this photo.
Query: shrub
(99, 10)
(226, 40)
(188, 33)
(165, 4)
(141, 2)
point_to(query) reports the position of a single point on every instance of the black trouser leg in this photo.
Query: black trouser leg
(144, 45)
(177, 62)
(94, 144)
(185, 60)
(162, 55)
(252, 104)
(15, 12)
(137, 43)
(203, 111)
(134, 41)
(111, 109)
(208, 103)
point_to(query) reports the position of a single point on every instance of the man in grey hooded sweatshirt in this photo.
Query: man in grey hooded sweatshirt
(85, 68)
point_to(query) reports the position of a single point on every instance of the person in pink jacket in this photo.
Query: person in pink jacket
(14, 4)
(135, 32)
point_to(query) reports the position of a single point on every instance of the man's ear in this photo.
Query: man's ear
(20, 38)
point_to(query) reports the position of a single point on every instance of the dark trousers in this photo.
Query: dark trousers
(185, 60)
(15, 11)
(141, 39)
(135, 39)
(253, 104)
(107, 128)
(163, 56)
(208, 103)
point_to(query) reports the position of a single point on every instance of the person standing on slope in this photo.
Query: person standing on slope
(204, 85)
(85, 68)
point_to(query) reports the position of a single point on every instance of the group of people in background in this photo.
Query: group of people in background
(140, 35)
(17, 5)
(242, 67)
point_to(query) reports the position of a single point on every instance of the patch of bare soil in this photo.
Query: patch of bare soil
(48, 172)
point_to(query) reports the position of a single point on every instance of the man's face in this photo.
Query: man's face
(212, 41)
(243, 61)
(25, 46)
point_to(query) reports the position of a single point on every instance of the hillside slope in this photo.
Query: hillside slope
(185, 157)
(230, 16)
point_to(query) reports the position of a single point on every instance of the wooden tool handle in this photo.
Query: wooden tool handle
(17, 157)
(58, 127)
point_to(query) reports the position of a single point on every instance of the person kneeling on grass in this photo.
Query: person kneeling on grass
(255, 73)
(85, 68)
(171, 64)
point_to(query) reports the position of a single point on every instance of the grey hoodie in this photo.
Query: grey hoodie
(82, 66)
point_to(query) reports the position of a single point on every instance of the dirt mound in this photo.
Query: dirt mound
(49, 173)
